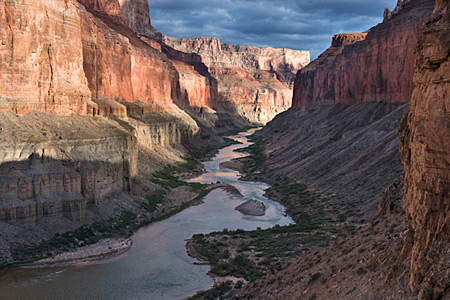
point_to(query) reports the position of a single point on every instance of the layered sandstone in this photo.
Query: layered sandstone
(121, 67)
(198, 87)
(425, 151)
(258, 80)
(136, 15)
(126, 61)
(54, 166)
(359, 67)
(41, 57)
(95, 59)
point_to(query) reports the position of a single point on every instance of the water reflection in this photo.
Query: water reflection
(157, 266)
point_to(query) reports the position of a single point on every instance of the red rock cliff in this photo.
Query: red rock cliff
(67, 57)
(256, 79)
(55, 56)
(359, 67)
(425, 140)
(41, 57)
(142, 73)
(119, 65)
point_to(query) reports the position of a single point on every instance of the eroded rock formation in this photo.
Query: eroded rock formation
(95, 59)
(41, 57)
(55, 166)
(350, 151)
(359, 67)
(425, 133)
(256, 79)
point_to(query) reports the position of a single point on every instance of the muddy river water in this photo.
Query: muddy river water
(157, 266)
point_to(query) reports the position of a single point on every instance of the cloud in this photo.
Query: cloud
(297, 24)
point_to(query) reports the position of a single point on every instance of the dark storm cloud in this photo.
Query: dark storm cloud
(302, 25)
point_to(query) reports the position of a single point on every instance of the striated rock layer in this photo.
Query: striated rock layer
(41, 58)
(425, 151)
(101, 62)
(374, 66)
(54, 166)
(257, 80)
(350, 151)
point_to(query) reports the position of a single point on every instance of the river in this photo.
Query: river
(157, 266)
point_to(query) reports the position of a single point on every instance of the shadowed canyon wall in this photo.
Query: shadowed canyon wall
(257, 80)
(58, 165)
(425, 136)
(336, 137)
(374, 66)
(83, 58)
(342, 137)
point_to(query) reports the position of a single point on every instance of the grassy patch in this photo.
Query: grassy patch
(251, 254)
(224, 290)
(154, 200)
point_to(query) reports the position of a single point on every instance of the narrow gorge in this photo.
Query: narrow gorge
(108, 125)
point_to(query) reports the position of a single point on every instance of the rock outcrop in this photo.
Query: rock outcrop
(252, 208)
(374, 66)
(425, 140)
(54, 166)
(41, 57)
(101, 62)
(120, 66)
(349, 151)
(257, 80)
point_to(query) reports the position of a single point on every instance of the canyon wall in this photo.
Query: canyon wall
(425, 140)
(377, 65)
(103, 64)
(120, 66)
(41, 58)
(349, 151)
(258, 80)
(58, 166)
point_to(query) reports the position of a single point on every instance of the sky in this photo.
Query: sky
(296, 24)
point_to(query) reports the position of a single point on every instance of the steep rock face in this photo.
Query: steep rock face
(126, 61)
(121, 67)
(198, 87)
(257, 80)
(41, 58)
(58, 166)
(69, 57)
(136, 15)
(348, 151)
(425, 151)
(377, 66)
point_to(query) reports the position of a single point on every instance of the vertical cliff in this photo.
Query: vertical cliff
(425, 140)
(374, 66)
(136, 15)
(257, 80)
(100, 59)
(119, 65)
(41, 58)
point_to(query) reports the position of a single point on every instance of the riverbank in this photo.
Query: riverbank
(103, 250)
(103, 240)
(109, 248)
(158, 259)
(331, 242)
(251, 255)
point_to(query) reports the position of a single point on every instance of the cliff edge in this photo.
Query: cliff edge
(257, 80)
(425, 137)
